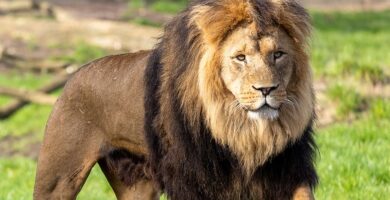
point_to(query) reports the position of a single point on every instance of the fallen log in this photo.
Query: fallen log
(30, 96)
(40, 67)
(17, 104)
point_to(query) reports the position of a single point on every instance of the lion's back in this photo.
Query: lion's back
(108, 92)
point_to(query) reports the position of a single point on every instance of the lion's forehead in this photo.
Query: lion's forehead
(244, 40)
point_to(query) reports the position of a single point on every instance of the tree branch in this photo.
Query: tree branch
(15, 105)
(30, 96)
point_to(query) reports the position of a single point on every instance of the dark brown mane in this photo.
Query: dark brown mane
(186, 160)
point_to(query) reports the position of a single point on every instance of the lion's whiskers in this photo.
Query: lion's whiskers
(288, 101)
(292, 99)
(235, 105)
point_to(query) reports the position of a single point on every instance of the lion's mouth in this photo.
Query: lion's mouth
(265, 106)
(266, 111)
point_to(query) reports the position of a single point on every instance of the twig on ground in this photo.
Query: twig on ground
(15, 105)
(30, 96)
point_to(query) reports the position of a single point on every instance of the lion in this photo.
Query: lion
(221, 108)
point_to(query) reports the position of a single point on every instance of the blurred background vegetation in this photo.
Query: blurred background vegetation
(43, 42)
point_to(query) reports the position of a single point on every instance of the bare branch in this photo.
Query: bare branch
(15, 105)
(30, 96)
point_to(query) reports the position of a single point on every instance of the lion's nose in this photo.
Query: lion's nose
(265, 90)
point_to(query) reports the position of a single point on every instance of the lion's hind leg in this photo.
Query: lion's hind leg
(62, 171)
(70, 149)
(127, 175)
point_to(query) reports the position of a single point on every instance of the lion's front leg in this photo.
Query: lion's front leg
(303, 192)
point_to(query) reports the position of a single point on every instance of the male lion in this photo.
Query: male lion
(222, 108)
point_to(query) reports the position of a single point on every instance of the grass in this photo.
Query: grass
(158, 7)
(353, 161)
(352, 44)
(352, 165)
(161, 6)
(348, 101)
(167, 6)
(83, 53)
(380, 109)
(145, 22)
(20, 174)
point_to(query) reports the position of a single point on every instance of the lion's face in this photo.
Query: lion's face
(252, 75)
(256, 69)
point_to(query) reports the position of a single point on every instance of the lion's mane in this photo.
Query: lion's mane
(201, 148)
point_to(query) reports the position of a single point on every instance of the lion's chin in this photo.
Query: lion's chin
(265, 112)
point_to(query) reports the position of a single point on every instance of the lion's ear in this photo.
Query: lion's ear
(215, 21)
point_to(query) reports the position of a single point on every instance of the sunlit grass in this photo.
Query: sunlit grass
(351, 44)
(353, 162)
(158, 7)
(167, 6)
(352, 165)
(162, 6)
(17, 177)
(19, 174)
(83, 53)
(380, 109)
(145, 22)
(96, 187)
(347, 100)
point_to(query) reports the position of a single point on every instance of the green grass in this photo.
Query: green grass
(19, 174)
(354, 162)
(145, 22)
(96, 187)
(167, 6)
(352, 44)
(161, 6)
(18, 178)
(83, 53)
(380, 109)
(347, 100)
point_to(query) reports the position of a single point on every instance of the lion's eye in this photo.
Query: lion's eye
(278, 55)
(241, 57)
